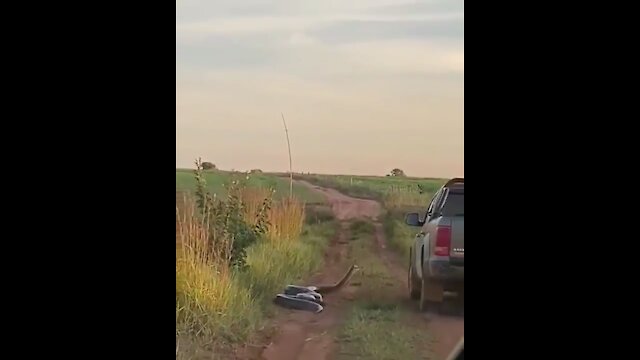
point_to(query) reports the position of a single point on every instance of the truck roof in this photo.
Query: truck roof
(455, 183)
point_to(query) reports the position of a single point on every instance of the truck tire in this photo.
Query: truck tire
(413, 281)
(431, 294)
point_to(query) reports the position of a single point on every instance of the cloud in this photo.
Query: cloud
(242, 25)
(199, 9)
(400, 18)
(260, 24)
(404, 57)
(300, 38)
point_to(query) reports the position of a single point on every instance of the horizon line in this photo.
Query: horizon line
(323, 174)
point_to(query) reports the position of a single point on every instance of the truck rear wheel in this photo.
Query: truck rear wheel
(431, 294)
(413, 281)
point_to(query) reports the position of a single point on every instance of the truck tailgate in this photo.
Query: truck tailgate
(457, 239)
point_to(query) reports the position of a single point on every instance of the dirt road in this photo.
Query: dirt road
(302, 335)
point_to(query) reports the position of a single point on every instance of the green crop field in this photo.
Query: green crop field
(217, 180)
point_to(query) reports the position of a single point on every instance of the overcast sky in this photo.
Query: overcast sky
(364, 85)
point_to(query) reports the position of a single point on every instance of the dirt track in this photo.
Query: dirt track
(308, 336)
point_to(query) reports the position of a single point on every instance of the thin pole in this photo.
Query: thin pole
(286, 131)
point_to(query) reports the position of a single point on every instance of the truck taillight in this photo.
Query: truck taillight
(443, 241)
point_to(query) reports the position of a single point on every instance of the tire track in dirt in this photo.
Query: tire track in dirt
(446, 329)
(307, 335)
(300, 334)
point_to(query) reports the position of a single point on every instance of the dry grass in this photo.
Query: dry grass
(205, 286)
(399, 197)
(286, 220)
(217, 305)
(285, 217)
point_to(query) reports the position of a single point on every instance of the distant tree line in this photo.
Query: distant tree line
(397, 172)
(208, 166)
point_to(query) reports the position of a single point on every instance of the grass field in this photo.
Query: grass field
(217, 180)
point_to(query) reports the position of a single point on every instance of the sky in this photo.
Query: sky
(365, 86)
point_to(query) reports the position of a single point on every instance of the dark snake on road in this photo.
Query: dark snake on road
(309, 298)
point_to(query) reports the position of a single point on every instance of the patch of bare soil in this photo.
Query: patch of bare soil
(345, 207)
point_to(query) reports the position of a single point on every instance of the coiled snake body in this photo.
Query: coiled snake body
(309, 298)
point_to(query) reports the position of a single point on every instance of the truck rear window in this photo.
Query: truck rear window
(454, 204)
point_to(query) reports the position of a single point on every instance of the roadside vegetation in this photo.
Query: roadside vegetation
(237, 243)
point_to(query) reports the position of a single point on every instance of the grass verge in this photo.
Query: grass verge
(273, 266)
(377, 327)
(400, 236)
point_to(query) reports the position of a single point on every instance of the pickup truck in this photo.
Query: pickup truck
(436, 258)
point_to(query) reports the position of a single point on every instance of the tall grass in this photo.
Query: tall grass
(217, 302)
(205, 286)
(285, 221)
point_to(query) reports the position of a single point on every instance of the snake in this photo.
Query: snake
(309, 298)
